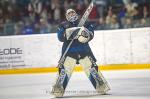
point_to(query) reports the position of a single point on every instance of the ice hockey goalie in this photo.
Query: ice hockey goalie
(79, 53)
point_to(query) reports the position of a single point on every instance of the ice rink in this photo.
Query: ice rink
(129, 84)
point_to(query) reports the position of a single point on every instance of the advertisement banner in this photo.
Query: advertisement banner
(29, 51)
(126, 46)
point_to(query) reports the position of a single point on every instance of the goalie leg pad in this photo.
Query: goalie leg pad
(61, 82)
(69, 65)
(96, 78)
(64, 75)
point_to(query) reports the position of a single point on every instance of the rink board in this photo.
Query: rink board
(76, 69)
(124, 48)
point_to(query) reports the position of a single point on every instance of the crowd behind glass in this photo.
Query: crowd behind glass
(21, 17)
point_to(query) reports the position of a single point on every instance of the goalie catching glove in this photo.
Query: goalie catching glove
(83, 35)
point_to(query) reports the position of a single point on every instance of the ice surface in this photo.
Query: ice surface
(129, 84)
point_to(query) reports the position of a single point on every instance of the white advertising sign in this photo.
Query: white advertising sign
(126, 46)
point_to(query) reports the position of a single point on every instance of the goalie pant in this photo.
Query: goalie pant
(76, 54)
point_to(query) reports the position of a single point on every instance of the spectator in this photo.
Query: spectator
(126, 2)
(141, 23)
(100, 24)
(35, 6)
(121, 16)
(111, 21)
(32, 17)
(145, 12)
(114, 23)
(9, 27)
(28, 28)
(94, 14)
(57, 15)
(19, 27)
(66, 5)
(44, 26)
(136, 14)
(44, 14)
(80, 9)
(131, 9)
(110, 14)
(128, 23)
(50, 19)
(101, 5)
(37, 28)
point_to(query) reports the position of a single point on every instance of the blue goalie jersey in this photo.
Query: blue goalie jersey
(77, 49)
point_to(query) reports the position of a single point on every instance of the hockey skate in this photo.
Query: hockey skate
(58, 90)
(102, 88)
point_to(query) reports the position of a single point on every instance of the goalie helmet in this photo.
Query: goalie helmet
(71, 15)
